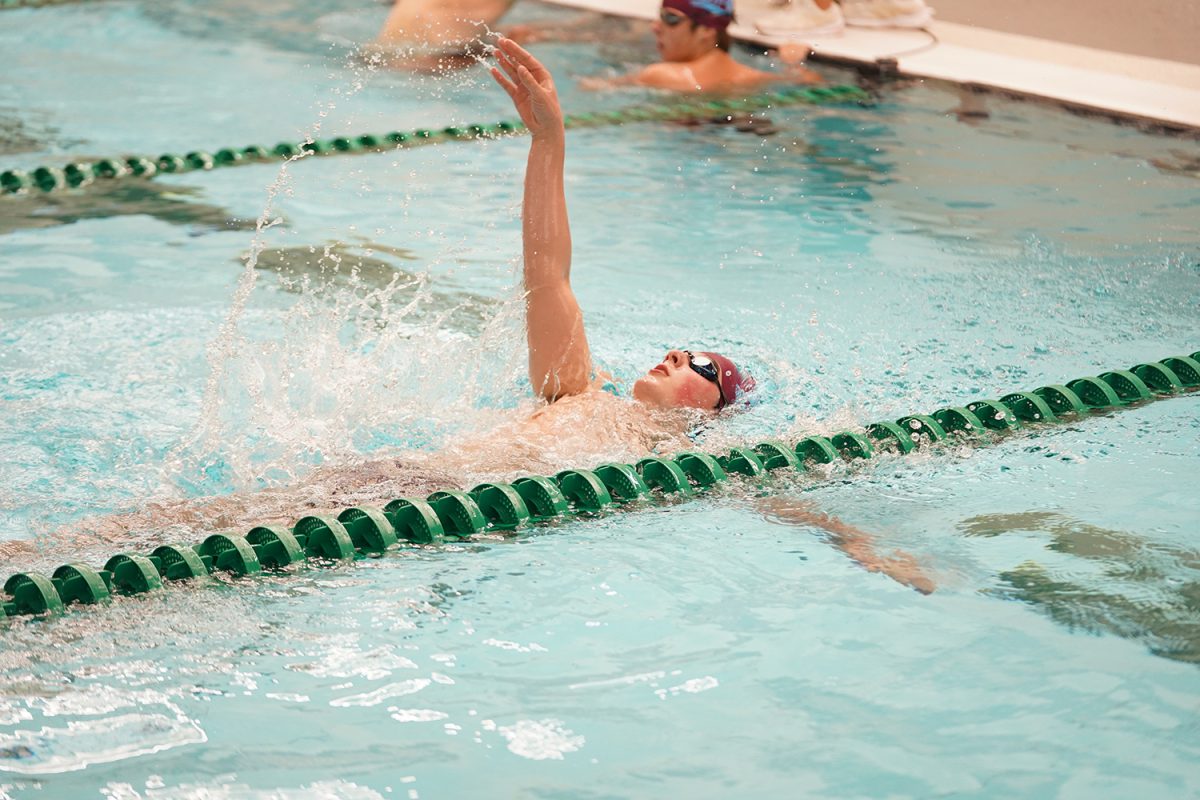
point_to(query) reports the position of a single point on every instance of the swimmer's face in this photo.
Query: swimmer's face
(678, 39)
(674, 384)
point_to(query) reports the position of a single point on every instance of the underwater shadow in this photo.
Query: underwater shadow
(1145, 591)
(121, 198)
(365, 268)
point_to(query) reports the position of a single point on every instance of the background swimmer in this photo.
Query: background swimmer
(436, 34)
(446, 24)
(693, 41)
(672, 393)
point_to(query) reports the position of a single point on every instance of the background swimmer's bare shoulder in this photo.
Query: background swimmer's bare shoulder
(666, 75)
(675, 77)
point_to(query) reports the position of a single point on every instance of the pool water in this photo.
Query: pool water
(866, 261)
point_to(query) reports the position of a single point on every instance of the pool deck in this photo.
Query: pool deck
(1165, 93)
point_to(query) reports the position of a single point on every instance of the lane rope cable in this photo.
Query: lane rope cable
(80, 174)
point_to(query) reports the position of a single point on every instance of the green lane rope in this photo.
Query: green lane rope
(84, 173)
(455, 515)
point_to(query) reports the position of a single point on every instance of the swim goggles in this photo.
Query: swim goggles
(703, 366)
(670, 18)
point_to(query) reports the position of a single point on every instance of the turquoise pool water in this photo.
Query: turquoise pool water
(869, 262)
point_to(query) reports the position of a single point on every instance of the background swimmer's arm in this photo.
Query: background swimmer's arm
(793, 56)
(560, 363)
(798, 74)
(859, 545)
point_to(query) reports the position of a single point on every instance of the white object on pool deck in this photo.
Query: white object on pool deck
(797, 18)
(887, 13)
(1148, 88)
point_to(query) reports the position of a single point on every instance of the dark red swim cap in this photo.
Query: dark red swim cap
(709, 13)
(732, 383)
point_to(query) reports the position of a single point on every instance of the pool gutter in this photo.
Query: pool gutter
(1163, 95)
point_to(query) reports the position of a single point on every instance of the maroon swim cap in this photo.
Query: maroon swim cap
(732, 383)
(709, 13)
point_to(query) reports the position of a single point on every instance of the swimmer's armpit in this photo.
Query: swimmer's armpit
(859, 545)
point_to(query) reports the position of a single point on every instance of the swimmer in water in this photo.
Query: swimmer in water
(693, 41)
(446, 23)
(560, 361)
(578, 420)
(428, 35)
(670, 396)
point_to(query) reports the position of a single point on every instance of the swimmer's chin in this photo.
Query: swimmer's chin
(644, 392)
(650, 392)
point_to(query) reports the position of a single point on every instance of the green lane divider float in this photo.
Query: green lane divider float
(453, 515)
(84, 173)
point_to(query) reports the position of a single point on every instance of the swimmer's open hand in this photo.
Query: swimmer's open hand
(531, 88)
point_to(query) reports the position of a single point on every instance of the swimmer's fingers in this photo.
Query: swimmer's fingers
(525, 59)
(508, 66)
(505, 83)
(535, 89)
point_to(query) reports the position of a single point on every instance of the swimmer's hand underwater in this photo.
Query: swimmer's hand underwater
(857, 544)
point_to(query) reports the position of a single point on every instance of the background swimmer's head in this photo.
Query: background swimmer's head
(684, 379)
(688, 29)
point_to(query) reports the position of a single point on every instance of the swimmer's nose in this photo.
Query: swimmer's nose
(676, 358)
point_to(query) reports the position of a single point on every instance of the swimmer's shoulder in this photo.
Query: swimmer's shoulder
(666, 75)
(601, 393)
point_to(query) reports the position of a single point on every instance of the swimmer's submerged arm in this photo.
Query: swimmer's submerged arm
(857, 544)
(560, 363)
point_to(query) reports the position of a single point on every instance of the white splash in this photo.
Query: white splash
(94, 741)
(347, 661)
(225, 790)
(693, 686)
(539, 740)
(532, 647)
(398, 689)
(417, 714)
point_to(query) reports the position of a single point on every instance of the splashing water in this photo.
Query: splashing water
(325, 381)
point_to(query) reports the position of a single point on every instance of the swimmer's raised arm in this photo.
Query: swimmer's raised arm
(560, 363)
